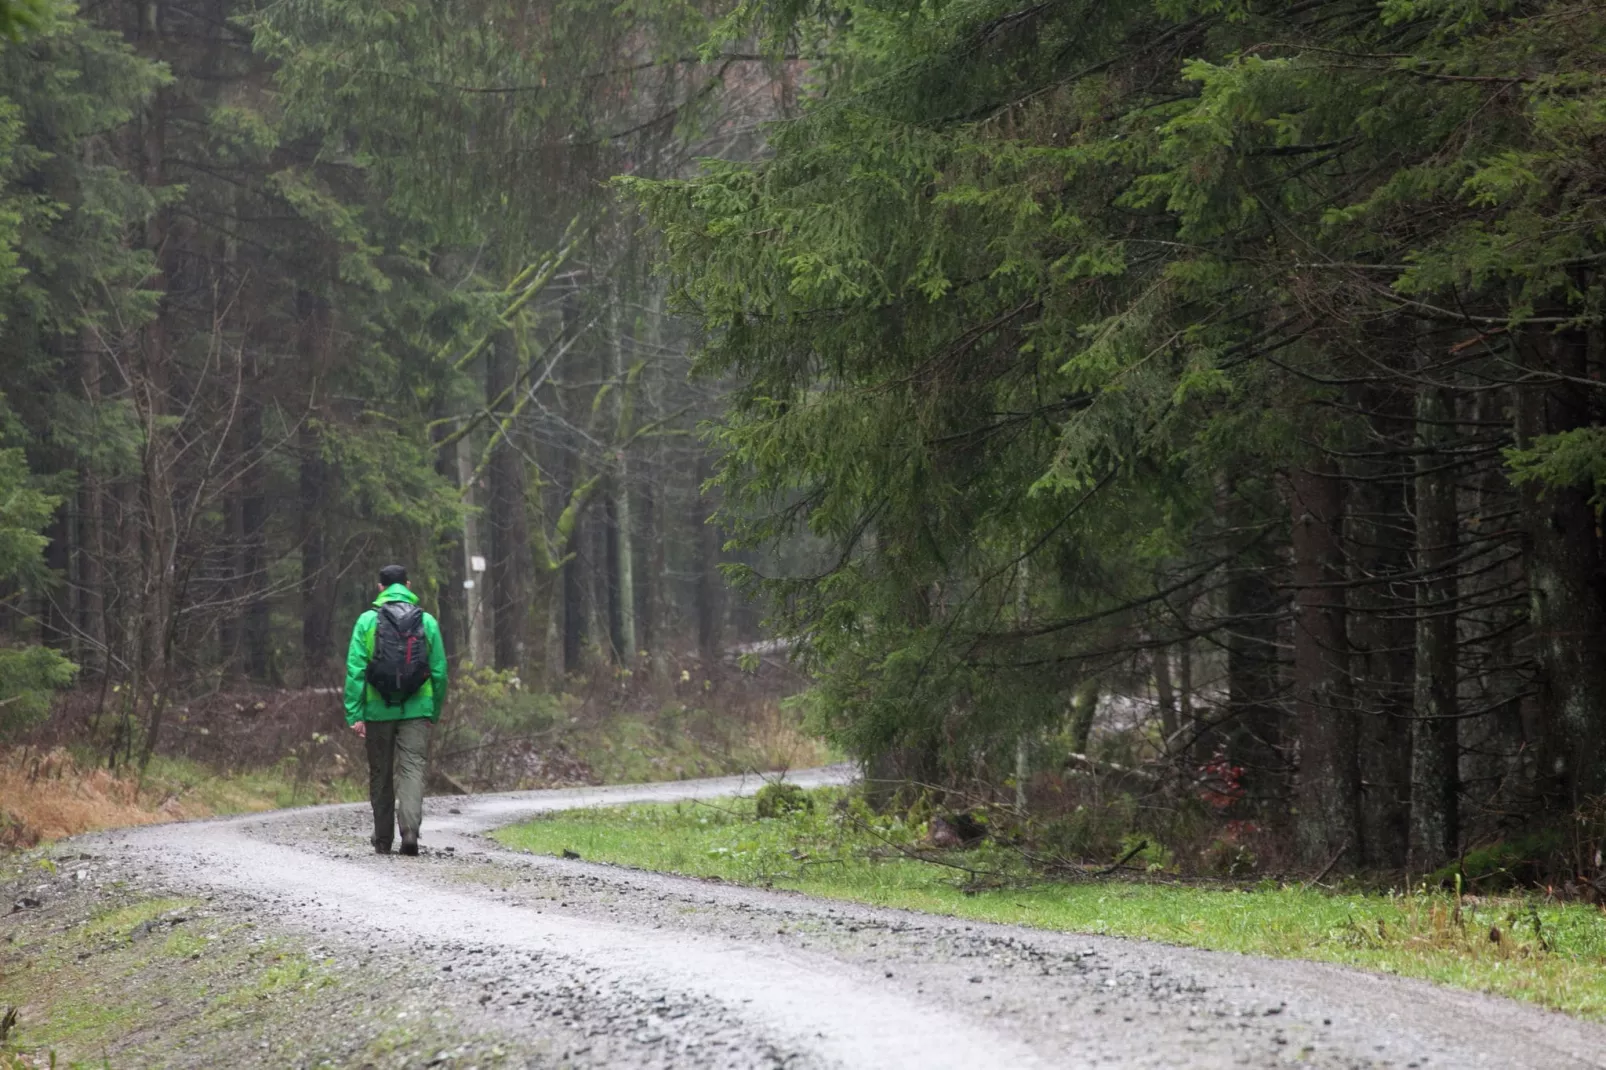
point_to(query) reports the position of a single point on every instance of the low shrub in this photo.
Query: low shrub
(779, 799)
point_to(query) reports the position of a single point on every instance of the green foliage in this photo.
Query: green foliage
(65, 270)
(28, 674)
(931, 381)
(19, 17)
(483, 121)
(496, 702)
(1146, 851)
(1036, 307)
(1575, 458)
(24, 510)
(780, 799)
(1518, 862)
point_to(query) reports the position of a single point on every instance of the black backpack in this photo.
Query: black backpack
(399, 664)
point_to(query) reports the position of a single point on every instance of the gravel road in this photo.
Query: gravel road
(575, 964)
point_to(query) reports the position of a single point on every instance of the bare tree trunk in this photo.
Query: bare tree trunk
(628, 637)
(1563, 565)
(1327, 789)
(160, 527)
(509, 570)
(1378, 534)
(608, 575)
(1435, 747)
(1084, 704)
(1252, 732)
(55, 622)
(649, 590)
(317, 608)
(91, 599)
(706, 536)
(1164, 692)
(252, 571)
(473, 548)
(1185, 706)
(1500, 759)
(575, 627)
(622, 545)
(317, 570)
(1023, 621)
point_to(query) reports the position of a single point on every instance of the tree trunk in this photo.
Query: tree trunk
(575, 626)
(1327, 789)
(317, 610)
(252, 571)
(706, 537)
(91, 599)
(1377, 530)
(1435, 749)
(609, 576)
(628, 637)
(650, 587)
(474, 579)
(1251, 733)
(1499, 755)
(1569, 627)
(1084, 704)
(451, 559)
(317, 570)
(55, 628)
(621, 557)
(1165, 694)
(1185, 706)
(160, 528)
(509, 571)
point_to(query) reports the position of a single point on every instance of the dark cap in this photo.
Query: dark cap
(391, 575)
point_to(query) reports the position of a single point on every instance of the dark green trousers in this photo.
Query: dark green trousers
(396, 752)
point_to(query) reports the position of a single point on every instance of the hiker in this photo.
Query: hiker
(395, 686)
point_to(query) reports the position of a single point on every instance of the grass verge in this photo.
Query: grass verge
(110, 978)
(1524, 947)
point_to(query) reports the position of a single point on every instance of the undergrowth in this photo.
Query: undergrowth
(45, 795)
(1526, 947)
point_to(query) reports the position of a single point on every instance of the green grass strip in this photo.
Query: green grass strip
(1519, 946)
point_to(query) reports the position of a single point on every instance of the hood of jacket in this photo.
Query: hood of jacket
(396, 592)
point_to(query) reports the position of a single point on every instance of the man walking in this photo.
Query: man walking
(395, 686)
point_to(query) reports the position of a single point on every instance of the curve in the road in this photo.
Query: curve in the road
(1063, 1000)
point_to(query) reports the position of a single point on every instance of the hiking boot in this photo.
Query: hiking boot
(380, 846)
(409, 843)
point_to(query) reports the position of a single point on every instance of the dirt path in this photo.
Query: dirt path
(574, 964)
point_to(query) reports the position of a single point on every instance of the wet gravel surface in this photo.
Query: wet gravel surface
(568, 963)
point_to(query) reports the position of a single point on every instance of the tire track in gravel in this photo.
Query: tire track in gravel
(596, 965)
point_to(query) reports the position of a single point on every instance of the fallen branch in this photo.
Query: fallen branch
(1331, 862)
(1103, 768)
(920, 857)
(1123, 860)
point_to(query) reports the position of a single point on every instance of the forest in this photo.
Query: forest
(1196, 394)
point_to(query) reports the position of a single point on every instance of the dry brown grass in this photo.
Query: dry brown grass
(45, 795)
(780, 743)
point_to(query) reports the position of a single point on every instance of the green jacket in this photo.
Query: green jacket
(363, 703)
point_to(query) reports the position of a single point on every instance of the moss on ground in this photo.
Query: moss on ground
(1525, 947)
